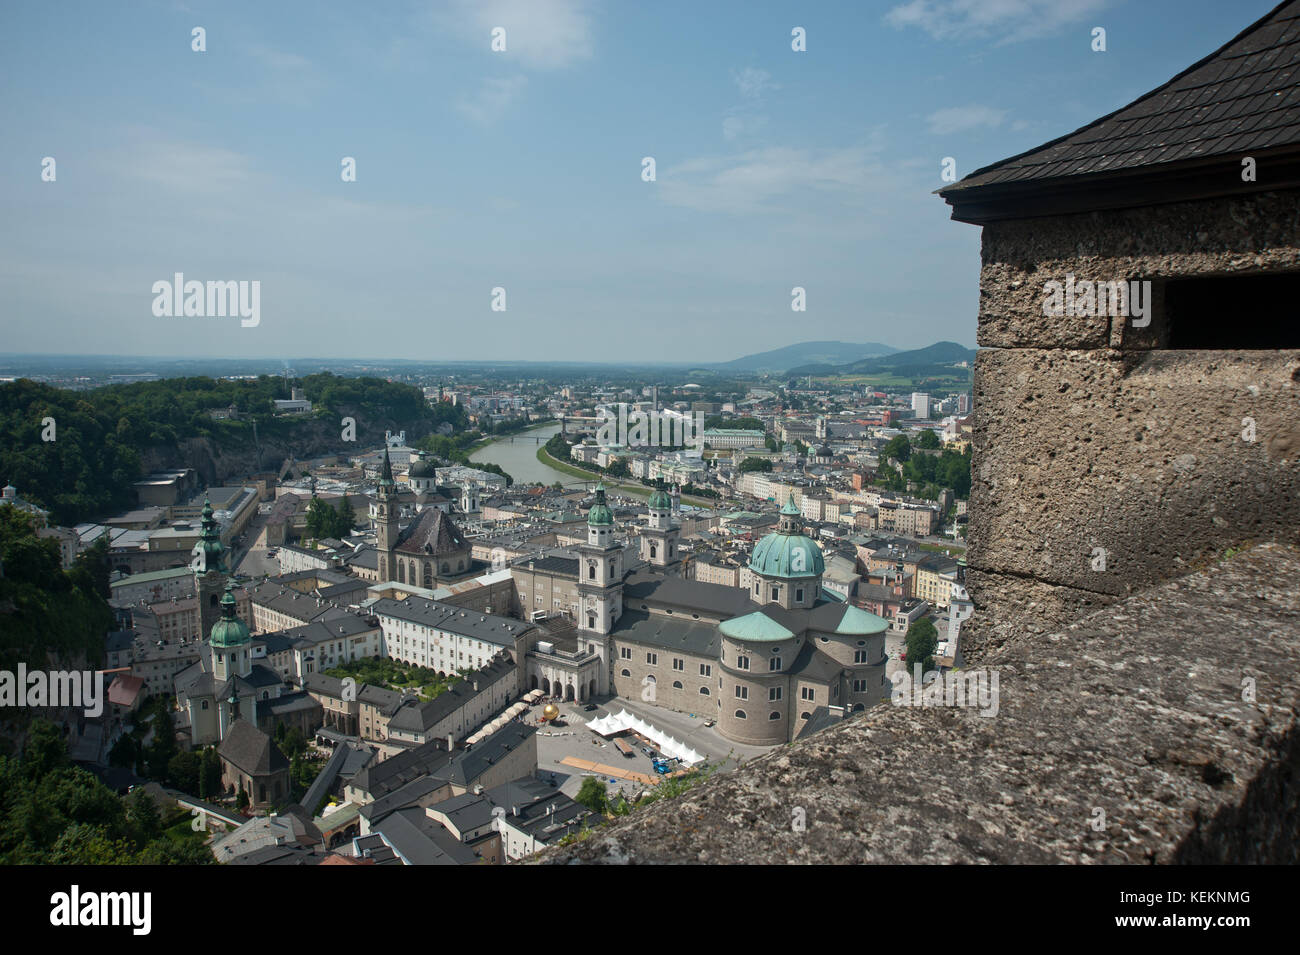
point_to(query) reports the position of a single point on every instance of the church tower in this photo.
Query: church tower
(600, 584)
(383, 514)
(659, 545)
(210, 571)
(232, 657)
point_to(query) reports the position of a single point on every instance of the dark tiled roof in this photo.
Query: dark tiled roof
(1244, 96)
(435, 530)
(716, 599)
(251, 750)
(698, 637)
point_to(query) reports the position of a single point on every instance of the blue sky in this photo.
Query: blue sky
(522, 169)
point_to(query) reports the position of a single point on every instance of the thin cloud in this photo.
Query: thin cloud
(1006, 21)
(771, 179)
(959, 119)
(493, 98)
(540, 34)
(753, 83)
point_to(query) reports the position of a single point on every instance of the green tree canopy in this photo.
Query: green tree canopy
(922, 639)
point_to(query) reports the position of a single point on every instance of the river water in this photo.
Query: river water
(518, 458)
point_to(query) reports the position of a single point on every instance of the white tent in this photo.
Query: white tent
(611, 724)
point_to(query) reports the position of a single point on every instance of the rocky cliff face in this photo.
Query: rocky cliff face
(312, 437)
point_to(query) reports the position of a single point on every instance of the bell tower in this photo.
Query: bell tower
(383, 514)
(600, 584)
(210, 571)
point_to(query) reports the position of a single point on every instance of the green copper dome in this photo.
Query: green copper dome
(229, 631)
(660, 500)
(422, 468)
(786, 552)
(600, 515)
(787, 555)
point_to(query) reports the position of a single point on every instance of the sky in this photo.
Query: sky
(522, 169)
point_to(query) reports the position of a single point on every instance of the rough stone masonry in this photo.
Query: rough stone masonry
(1159, 729)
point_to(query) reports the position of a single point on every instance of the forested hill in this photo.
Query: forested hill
(105, 438)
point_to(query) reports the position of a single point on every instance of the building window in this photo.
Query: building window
(798, 595)
(742, 663)
(756, 590)
(625, 653)
(859, 686)
(807, 693)
(774, 663)
(677, 684)
(776, 593)
(774, 715)
(652, 659)
(740, 714)
(679, 663)
(627, 673)
(591, 571)
(704, 691)
(706, 669)
(773, 694)
(742, 692)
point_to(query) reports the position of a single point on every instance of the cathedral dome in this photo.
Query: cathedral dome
(787, 555)
(423, 468)
(786, 552)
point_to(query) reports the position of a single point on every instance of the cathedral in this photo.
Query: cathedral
(430, 550)
(769, 663)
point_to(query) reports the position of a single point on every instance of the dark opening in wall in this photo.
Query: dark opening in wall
(1247, 311)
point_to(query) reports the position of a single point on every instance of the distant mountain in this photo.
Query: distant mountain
(828, 353)
(915, 363)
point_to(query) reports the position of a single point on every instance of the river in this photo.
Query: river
(518, 458)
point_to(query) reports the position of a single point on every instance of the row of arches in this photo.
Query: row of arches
(565, 690)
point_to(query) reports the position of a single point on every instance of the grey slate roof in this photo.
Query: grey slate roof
(490, 628)
(419, 717)
(249, 749)
(716, 599)
(698, 637)
(1243, 96)
(432, 533)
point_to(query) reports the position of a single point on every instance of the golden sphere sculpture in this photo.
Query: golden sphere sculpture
(550, 711)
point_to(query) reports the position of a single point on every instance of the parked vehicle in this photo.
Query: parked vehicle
(649, 752)
(589, 707)
(622, 747)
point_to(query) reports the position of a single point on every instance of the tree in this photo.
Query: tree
(922, 639)
(898, 448)
(594, 795)
(183, 772)
(928, 440)
(45, 751)
(755, 464)
(346, 520)
(209, 774)
(143, 816)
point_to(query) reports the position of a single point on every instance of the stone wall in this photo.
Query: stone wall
(1160, 729)
(1104, 463)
